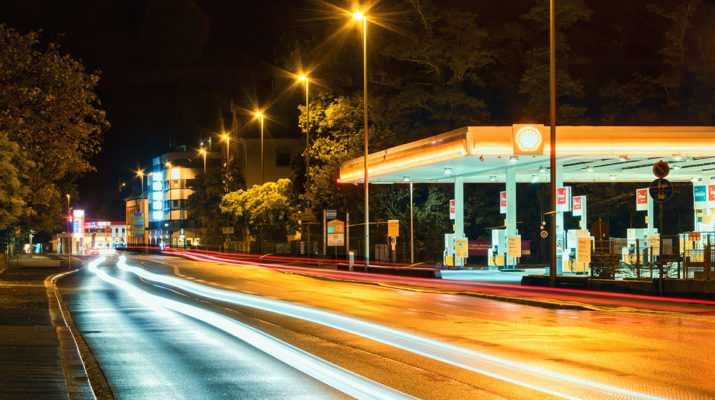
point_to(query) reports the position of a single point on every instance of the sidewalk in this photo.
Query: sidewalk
(38, 359)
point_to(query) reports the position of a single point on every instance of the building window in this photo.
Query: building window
(282, 159)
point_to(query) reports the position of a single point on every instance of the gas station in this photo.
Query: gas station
(520, 154)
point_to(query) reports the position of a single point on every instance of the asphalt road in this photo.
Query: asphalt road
(150, 352)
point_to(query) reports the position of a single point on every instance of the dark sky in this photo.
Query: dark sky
(167, 68)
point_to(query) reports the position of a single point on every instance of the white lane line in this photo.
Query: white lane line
(339, 378)
(520, 374)
(51, 284)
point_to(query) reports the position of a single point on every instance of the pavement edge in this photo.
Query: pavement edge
(94, 376)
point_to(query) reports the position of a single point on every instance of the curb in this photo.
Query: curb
(93, 376)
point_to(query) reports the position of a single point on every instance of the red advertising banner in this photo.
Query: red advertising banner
(642, 199)
(452, 209)
(502, 202)
(711, 192)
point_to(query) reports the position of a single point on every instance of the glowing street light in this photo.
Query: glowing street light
(260, 116)
(358, 16)
(307, 126)
(140, 174)
(227, 139)
(203, 153)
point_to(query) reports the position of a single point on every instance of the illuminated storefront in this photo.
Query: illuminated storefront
(520, 154)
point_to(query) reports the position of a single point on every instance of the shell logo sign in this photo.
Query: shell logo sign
(527, 139)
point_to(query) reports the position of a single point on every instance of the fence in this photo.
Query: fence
(642, 259)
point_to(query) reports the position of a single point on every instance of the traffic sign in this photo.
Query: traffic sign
(331, 214)
(544, 234)
(393, 227)
(660, 190)
(661, 169)
(307, 203)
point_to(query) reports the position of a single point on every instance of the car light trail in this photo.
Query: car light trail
(576, 295)
(328, 373)
(517, 373)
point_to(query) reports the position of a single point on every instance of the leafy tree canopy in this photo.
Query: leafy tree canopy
(266, 209)
(49, 109)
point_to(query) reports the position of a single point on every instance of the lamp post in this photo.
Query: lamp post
(140, 174)
(358, 16)
(227, 139)
(259, 115)
(69, 233)
(552, 151)
(203, 153)
(307, 126)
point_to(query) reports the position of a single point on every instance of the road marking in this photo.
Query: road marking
(333, 375)
(520, 374)
(80, 384)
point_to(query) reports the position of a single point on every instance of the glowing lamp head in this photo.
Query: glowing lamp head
(358, 16)
(202, 151)
(140, 173)
(302, 78)
(259, 114)
(167, 164)
(528, 138)
(224, 137)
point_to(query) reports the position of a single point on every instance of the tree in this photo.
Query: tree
(335, 138)
(12, 192)
(203, 204)
(265, 209)
(48, 107)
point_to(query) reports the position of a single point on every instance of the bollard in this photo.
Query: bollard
(638, 259)
(613, 262)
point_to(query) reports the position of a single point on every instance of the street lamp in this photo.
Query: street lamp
(140, 174)
(552, 150)
(358, 16)
(307, 126)
(69, 232)
(227, 139)
(259, 115)
(203, 153)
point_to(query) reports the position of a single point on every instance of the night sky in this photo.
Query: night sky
(167, 68)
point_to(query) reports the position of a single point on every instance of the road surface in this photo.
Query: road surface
(491, 349)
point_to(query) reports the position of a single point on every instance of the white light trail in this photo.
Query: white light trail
(524, 375)
(332, 375)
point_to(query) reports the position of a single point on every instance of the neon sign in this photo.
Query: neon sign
(528, 139)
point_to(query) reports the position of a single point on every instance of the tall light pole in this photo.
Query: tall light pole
(69, 233)
(307, 146)
(203, 153)
(358, 16)
(307, 126)
(259, 115)
(140, 174)
(227, 139)
(552, 151)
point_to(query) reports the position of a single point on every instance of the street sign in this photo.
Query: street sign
(307, 204)
(641, 199)
(563, 199)
(513, 248)
(393, 227)
(661, 169)
(331, 214)
(660, 190)
(544, 234)
(583, 251)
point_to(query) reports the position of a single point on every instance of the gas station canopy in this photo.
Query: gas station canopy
(584, 154)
